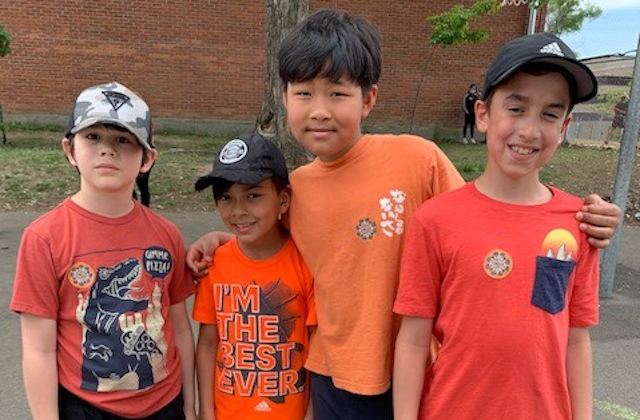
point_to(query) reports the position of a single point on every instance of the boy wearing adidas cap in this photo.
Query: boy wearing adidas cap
(256, 305)
(510, 294)
(101, 282)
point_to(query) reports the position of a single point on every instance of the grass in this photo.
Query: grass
(572, 167)
(35, 176)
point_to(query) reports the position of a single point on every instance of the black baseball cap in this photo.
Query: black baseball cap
(542, 47)
(249, 159)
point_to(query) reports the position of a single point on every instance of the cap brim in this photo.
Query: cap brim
(586, 83)
(111, 121)
(204, 182)
(240, 177)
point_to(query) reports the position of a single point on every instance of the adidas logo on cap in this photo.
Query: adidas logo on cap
(552, 48)
(262, 406)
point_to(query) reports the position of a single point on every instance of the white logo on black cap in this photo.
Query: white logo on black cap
(233, 151)
(552, 48)
(116, 99)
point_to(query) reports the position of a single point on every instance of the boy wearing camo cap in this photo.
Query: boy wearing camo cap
(101, 283)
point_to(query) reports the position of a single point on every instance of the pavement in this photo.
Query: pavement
(616, 341)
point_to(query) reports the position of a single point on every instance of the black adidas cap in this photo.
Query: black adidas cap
(542, 47)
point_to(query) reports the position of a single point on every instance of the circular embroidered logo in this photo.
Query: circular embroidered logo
(498, 264)
(233, 151)
(81, 275)
(366, 229)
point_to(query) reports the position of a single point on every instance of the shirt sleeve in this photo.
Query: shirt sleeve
(182, 284)
(444, 175)
(36, 285)
(583, 307)
(420, 274)
(311, 302)
(204, 310)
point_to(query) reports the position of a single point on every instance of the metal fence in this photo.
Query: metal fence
(589, 126)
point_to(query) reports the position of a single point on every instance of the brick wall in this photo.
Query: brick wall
(204, 59)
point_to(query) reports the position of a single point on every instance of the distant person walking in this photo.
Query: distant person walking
(468, 104)
(620, 112)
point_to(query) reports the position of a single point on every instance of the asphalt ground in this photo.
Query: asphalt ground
(616, 341)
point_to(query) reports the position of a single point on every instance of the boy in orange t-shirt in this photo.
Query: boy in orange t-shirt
(255, 307)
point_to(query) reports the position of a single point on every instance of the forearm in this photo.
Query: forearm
(40, 366)
(214, 239)
(408, 380)
(580, 374)
(185, 346)
(410, 363)
(309, 414)
(40, 373)
(205, 366)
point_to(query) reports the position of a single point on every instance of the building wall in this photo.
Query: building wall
(204, 60)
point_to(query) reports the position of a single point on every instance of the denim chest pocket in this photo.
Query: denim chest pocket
(550, 288)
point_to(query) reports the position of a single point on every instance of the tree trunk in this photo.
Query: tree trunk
(282, 16)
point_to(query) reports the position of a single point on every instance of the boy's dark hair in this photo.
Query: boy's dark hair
(223, 185)
(541, 69)
(331, 44)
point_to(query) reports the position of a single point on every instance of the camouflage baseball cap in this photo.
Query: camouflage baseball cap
(112, 103)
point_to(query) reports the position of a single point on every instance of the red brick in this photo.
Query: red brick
(205, 60)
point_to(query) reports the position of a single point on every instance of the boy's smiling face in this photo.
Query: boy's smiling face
(251, 212)
(525, 123)
(325, 116)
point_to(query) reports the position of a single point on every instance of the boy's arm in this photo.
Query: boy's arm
(309, 414)
(39, 365)
(598, 219)
(580, 374)
(205, 362)
(311, 330)
(409, 366)
(199, 252)
(184, 343)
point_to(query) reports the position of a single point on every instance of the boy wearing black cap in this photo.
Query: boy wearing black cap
(101, 282)
(256, 304)
(511, 294)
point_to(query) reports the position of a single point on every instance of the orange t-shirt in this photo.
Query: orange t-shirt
(262, 310)
(349, 219)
